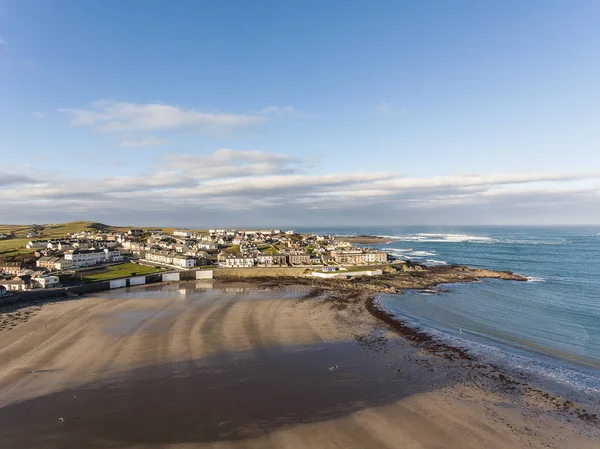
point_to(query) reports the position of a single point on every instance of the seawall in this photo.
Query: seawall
(65, 292)
(220, 273)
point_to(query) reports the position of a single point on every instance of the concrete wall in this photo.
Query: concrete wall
(153, 278)
(204, 274)
(118, 283)
(244, 272)
(90, 288)
(187, 275)
(348, 273)
(66, 292)
(326, 275)
(138, 280)
(170, 277)
(32, 296)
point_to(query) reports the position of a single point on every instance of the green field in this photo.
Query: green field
(12, 247)
(268, 249)
(119, 271)
(233, 250)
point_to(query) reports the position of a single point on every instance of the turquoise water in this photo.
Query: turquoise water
(549, 326)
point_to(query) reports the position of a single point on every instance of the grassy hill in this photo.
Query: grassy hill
(55, 229)
(13, 248)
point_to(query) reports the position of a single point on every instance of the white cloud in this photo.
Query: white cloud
(473, 180)
(113, 116)
(274, 188)
(11, 179)
(271, 110)
(278, 111)
(225, 163)
(140, 142)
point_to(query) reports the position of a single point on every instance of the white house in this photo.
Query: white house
(55, 244)
(375, 256)
(46, 281)
(53, 263)
(85, 257)
(265, 259)
(63, 264)
(37, 244)
(88, 257)
(113, 255)
(239, 261)
(185, 261)
(182, 233)
(165, 257)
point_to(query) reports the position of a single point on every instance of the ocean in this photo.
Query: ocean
(548, 327)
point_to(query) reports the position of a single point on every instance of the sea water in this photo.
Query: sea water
(548, 326)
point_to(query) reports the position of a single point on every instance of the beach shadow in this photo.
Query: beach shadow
(230, 396)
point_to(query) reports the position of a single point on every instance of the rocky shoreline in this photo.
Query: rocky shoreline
(409, 277)
(399, 278)
(365, 239)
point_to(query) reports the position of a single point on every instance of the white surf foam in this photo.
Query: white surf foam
(542, 368)
(421, 253)
(535, 279)
(468, 238)
(435, 262)
(441, 238)
(400, 253)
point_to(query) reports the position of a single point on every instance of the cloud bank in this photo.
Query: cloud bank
(136, 120)
(232, 187)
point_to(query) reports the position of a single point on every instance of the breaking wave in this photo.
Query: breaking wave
(439, 238)
(535, 279)
(426, 237)
(421, 253)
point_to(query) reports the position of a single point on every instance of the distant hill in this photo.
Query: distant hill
(62, 229)
(53, 229)
(13, 246)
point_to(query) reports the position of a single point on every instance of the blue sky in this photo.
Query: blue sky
(308, 112)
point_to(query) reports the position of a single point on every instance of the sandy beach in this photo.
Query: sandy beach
(230, 366)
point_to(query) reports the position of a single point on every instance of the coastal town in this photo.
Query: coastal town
(43, 262)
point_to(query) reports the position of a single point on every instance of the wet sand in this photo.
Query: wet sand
(186, 365)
